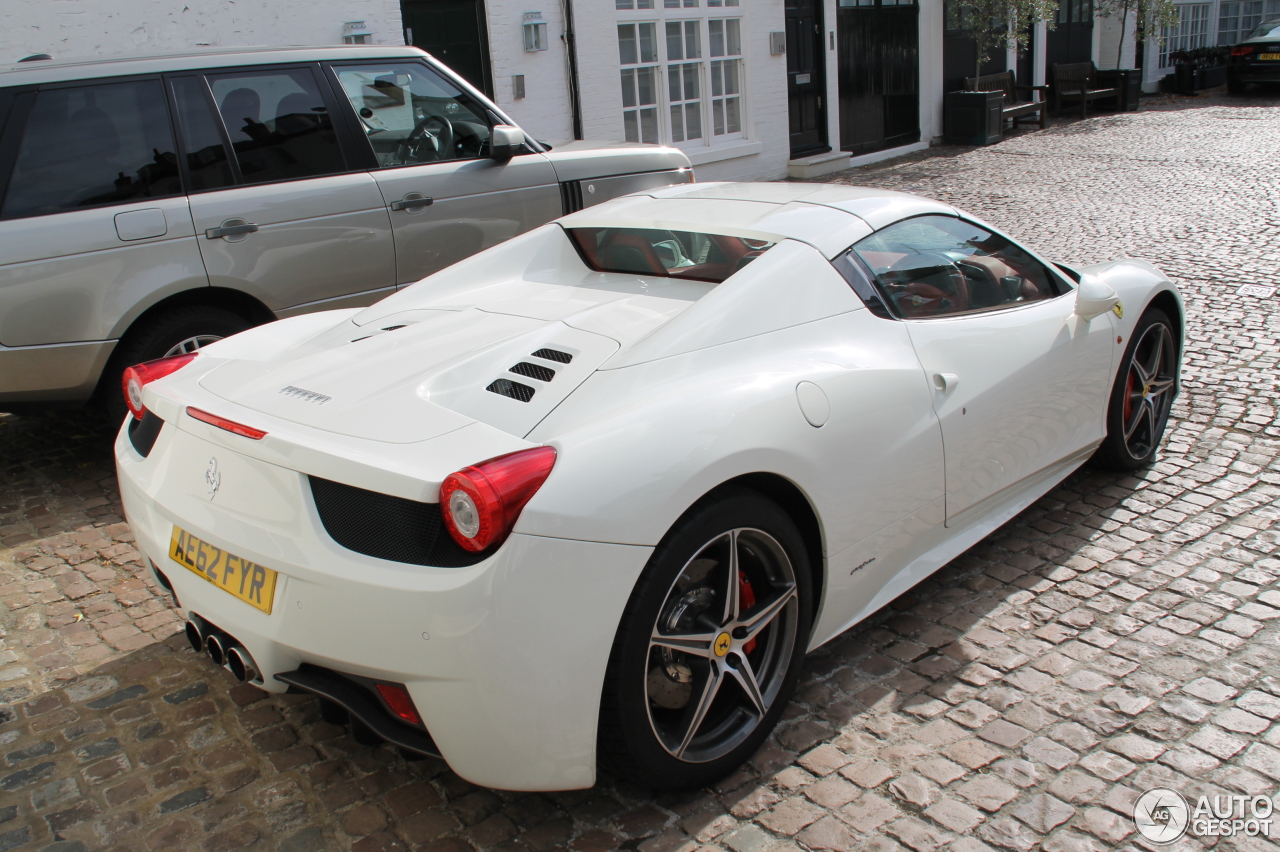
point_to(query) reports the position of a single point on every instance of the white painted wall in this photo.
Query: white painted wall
(85, 28)
(544, 111)
(1109, 38)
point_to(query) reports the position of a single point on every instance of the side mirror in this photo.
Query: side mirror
(505, 142)
(1094, 297)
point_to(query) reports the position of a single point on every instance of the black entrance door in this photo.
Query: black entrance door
(452, 31)
(1072, 39)
(805, 78)
(879, 62)
(960, 53)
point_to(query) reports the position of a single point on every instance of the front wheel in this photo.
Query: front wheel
(710, 646)
(1142, 396)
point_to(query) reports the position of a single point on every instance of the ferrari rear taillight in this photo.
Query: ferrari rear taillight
(1242, 50)
(481, 503)
(140, 375)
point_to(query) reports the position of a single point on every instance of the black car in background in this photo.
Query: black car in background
(1256, 59)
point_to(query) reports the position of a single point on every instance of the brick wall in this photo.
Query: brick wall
(545, 111)
(68, 28)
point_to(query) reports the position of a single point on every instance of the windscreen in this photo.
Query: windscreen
(670, 254)
(1266, 28)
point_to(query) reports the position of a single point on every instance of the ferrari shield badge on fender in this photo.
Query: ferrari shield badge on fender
(1118, 310)
(213, 477)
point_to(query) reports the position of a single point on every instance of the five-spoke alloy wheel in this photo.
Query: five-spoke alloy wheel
(1142, 396)
(710, 644)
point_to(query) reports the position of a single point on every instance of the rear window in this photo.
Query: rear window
(1265, 29)
(669, 254)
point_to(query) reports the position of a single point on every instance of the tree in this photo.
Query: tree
(1151, 16)
(995, 23)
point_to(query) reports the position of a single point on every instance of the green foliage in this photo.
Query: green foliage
(1201, 57)
(997, 23)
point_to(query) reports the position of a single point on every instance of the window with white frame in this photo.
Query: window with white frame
(681, 71)
(1237, 19)
(1191, 32)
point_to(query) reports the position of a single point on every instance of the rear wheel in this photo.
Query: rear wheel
(172, 332)
(710, 645)
(1142, 396)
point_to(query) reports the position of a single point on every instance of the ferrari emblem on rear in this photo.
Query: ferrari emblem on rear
(213, 476)
(304, 394)
(722, 644)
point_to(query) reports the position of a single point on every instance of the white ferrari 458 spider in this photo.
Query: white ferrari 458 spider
(590, 495)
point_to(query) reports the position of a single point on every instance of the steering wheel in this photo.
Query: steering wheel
(443, 140)
(946, 291)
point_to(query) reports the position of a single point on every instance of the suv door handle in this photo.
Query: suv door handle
(230, 230)
(413, 202)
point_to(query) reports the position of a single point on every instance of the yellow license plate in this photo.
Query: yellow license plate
(249, 581)
(1270, 56)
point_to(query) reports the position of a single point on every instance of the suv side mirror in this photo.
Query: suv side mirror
(505, 142)
(1094, 297)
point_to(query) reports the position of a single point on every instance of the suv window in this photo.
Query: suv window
(89, 145)
(207, 162)
(278, 124)
(412, 115)
(934, 266)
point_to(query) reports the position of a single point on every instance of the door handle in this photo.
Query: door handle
(413, 202)
(945, 382)
(230, 230)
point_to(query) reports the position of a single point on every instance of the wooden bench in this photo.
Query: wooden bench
(1078, 81)
(1013, 109)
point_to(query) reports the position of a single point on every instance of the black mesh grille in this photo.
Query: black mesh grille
(143, 433)
(534, 371)
(393, 327)
(515, 390)
(387, 527)
(553, 355)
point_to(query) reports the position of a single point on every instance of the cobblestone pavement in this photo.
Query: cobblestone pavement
(1119, 635)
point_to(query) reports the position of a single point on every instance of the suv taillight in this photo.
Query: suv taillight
(139, 375)
(481, 503)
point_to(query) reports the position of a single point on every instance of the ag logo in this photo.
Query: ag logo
(722, 644)
(1161, 815)
(213, 477)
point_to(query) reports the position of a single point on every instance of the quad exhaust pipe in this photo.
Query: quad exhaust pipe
(222, 648)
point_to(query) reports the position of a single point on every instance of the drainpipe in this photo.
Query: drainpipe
(571, 57)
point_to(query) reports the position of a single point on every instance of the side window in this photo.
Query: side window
(91, 145)
(412, 115)
(278, 124)
(933, 266)
(207, 163)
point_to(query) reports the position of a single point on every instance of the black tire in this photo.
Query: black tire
(1145, 385)
(731, 727)
(158, 336)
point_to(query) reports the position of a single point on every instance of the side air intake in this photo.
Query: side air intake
(553, 355)
(515, 390)
(571, 196)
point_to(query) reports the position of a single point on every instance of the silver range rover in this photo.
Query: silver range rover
(151, 205)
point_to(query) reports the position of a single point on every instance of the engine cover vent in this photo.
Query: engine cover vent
(553, 355)
(533, 371)
(515, 390)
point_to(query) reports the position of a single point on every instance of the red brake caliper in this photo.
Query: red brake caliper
(1128, 400)
(747, 599)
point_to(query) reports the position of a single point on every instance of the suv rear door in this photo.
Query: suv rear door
(428, 146)
(93, 222)
(284, 217)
